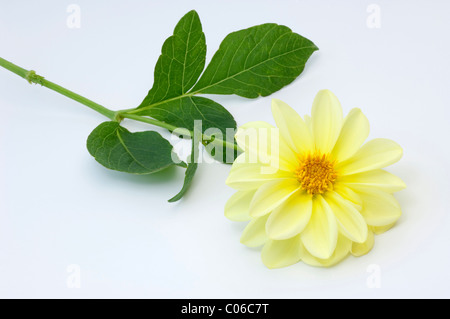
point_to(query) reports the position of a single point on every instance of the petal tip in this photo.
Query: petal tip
(325, 91)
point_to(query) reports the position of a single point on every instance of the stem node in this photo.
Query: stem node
(118, 117)
(32, 77)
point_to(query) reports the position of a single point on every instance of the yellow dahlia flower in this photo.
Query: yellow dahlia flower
(310, 189)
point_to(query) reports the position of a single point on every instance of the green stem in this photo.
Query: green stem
(148, 120)
(32, 77)
(171, 128)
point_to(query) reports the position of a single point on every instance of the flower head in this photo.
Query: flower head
(310, 188)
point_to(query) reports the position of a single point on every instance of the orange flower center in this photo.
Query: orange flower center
(316, 173)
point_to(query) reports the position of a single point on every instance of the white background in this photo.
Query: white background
(59, 207)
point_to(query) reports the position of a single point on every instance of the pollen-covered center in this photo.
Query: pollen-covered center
(316, 173)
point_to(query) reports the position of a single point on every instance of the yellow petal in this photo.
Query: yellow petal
(262, 144)
(378, 230)
(360, 249)
(287, 158)
(281, 253)
(378, 178)
(237, 207)
(271, 195)
(320, 235)
(246, 176)
(255, 138)
(343, 247)
(326, 117)
(291, 217)
(307, 120)
(348, 194)
(354, 132)
(379, 208)
(254, 234)
(377, 153)
(292, 127)
(256, 124)
(350, 221)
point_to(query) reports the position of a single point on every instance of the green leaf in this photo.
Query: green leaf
(178, 68)
(139, 153)
(256, 61)
(184, 111)
(181, 61)
(192, 165)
